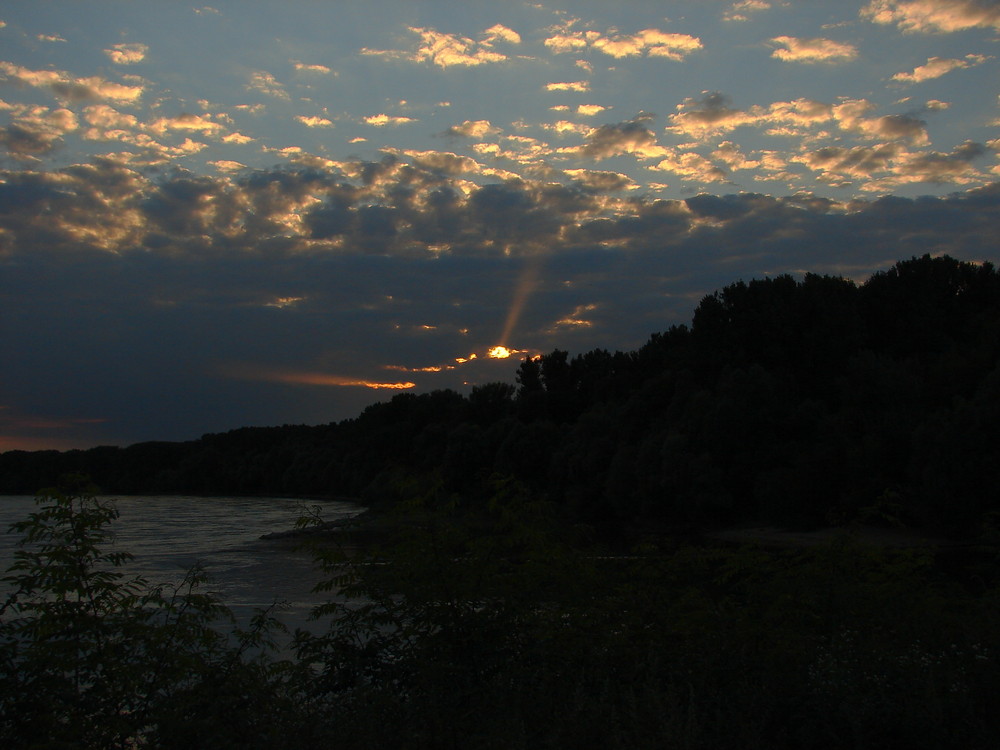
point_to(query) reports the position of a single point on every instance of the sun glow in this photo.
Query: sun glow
(298, 377)
(499, 352)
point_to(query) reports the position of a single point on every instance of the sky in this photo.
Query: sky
(260, 213)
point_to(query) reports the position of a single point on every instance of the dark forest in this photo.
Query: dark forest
(802, 403)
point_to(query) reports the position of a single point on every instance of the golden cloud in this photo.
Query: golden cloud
(447, 50)
(127, 54)
(793, 49)
(738, 11)
(305, 377)
(936, 67)
(382, 120)
(928, 16)
(568, 86)
(65, 86)
(314, 122)
(650, 42)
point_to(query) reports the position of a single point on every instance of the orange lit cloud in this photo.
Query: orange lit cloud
(127, 54)
(68, 87)
(937, 67)
(568, 86)
(304, 377)
(651, 42)
(792, 49)
(29, 432)
(265, 83)
(382, 119)
(930, 16)
(739, 10)
(314, 122)
(447, 50)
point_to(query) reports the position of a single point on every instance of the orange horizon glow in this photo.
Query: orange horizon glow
(299, 377)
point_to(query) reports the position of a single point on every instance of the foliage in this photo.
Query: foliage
(94, 658)
(454, 623)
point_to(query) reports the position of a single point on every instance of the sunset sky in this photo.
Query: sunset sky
(260, 213)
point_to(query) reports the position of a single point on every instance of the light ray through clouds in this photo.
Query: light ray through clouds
(354, 200)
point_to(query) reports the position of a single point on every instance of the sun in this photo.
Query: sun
(499, 352)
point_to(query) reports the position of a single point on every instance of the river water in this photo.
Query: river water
(170, 534)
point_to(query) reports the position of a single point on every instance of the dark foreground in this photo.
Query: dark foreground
(501, 627)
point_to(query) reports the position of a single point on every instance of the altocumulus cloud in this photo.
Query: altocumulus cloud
(930, 16)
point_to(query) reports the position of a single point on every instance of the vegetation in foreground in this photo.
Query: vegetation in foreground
(496, 624)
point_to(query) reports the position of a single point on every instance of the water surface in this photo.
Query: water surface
(168, 534)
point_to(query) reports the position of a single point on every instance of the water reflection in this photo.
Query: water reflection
(169, 534)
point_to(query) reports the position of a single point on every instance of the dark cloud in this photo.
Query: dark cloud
(631, 136)
(712, 113)
(21, 140)
(901, 126)
(858, 161)
(153, 292)
(941, 167)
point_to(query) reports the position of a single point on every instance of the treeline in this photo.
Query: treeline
(798, 402)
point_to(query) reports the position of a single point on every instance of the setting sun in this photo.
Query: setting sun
(500, 352)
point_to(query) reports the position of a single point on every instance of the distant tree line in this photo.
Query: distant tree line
(797, 402)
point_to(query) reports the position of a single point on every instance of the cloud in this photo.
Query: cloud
(936, 167)
(265, 83)
(269, 374)
(314, 122)
(629, 137)
(477, 129)
(185, 122)
(237, 138)
(127, 54)
(930, 16)
(563, 127)
(500, 33)
(297, 271)
(382, 120)
(50, 38)
(897, 127)
(648, 42)
(312, 68)
(839, 164)
(37, 131)
(710, 114)
(886, 166)
(600, 181)
(739, 11)
(107, 117)
(692, 167)
(729, 154)
(568, 86)
(448, 50)
(792, 49)
(800, 113)
(589, 110)
(227, 165)
(70, 88)
(939, 66)
(444, 162)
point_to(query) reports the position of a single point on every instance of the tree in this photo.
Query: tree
(92, 657)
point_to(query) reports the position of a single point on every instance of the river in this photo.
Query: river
(169, 534)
